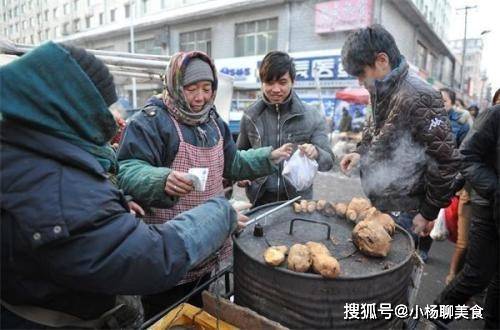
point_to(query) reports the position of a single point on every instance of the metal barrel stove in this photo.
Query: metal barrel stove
(306, 300)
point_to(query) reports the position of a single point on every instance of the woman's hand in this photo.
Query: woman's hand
(178, 184)
(136, 209)
(242, 219)
(281, 153)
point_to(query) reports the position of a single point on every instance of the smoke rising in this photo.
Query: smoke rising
(399, 172)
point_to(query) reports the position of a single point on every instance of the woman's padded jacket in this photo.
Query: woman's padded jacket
(151, 142)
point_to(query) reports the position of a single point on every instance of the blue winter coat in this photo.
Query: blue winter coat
(458, 128)
(68, 241)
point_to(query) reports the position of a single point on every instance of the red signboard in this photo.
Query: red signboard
(342, 15)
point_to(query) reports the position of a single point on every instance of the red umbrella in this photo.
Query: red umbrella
(354, 95)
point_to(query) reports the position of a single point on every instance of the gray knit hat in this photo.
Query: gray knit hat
(197, 70)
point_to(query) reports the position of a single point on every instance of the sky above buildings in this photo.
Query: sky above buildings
(484, 18)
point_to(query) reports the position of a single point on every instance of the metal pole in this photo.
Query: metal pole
(132, 50)
(466, 8)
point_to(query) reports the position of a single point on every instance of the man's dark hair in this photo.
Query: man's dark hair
(362, 47)
(496, 96)
(461, 102)
(276, 64)
(451, 94)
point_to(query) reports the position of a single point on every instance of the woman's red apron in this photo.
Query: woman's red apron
(189, 156)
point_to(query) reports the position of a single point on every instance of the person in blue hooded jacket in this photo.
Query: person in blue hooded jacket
(69, 244)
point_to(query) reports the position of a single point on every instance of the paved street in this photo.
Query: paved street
(337, 187)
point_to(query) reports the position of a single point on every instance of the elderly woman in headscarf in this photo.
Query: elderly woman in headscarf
(174, 133)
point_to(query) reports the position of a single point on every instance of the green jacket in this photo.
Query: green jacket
(150, 144)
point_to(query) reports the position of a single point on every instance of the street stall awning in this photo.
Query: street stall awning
(354, 95)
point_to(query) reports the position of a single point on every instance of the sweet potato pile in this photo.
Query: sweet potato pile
(373, 230)
(305, 257)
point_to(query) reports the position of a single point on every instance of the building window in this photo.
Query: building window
(146, 46)
(65, 29)
(101, 19)
(32, 39)
(421, 56)
(196, 40)
(144, 6)
(39, 19)
(76, 5)
(56, 32)
(55, 12)
(47, 31)
(66, 9)
(112, 15)
(46, 16)
(40, 36)
(257, 37)
(76, 25)
(88, 21)
(31, 22)
(127, 11)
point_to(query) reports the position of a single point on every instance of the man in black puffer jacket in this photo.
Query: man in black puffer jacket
(408, 156)
(481, 167)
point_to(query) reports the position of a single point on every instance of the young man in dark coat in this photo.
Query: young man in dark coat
(407, 153)
(277, 118)
(69, 243)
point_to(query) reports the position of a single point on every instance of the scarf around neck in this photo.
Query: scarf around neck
(173, 95)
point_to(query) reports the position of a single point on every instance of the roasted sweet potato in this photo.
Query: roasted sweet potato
(351, 215)
(320, 205)
(341, 209)
(275, 255)
(303, 205)
(385, 220)
(311, 206)
(297, 208)
(326, 265)
(367, 214)
(329, 209)
(299, 258)
(322, 261)
(371, 239)
(317, 248)
(356, 207)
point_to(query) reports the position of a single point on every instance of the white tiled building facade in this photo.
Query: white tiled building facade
(239, 29)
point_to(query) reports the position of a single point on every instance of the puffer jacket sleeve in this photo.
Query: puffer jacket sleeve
(118, 254)
(432, 129)
(244, 164)
(141, 153)
(252, 164)
(319, 139)
(366, 136)
(480, 144)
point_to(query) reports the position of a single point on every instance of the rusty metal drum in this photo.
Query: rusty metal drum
(306, 300)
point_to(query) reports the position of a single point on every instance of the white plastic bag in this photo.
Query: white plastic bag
(440, 232)
(300, 171)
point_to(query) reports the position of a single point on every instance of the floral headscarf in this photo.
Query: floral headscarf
(173, 94)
